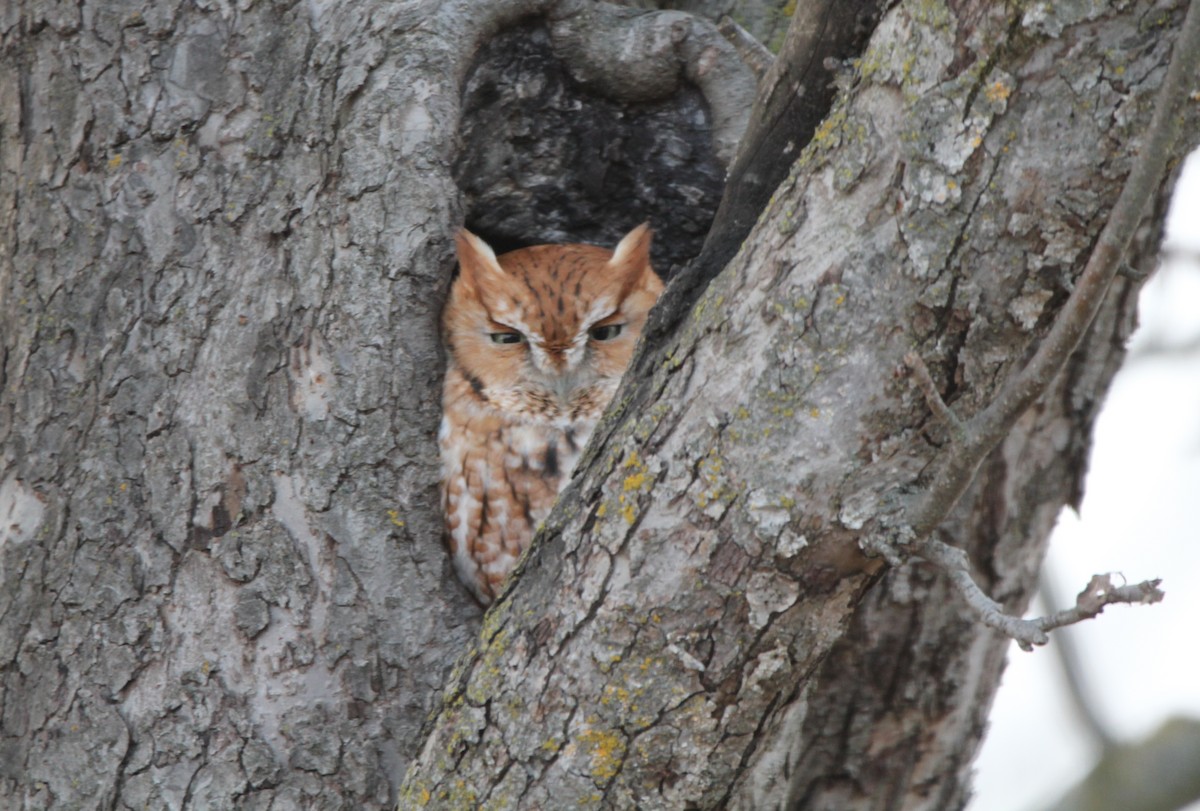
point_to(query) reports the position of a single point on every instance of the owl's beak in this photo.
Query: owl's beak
(562, 381)
(557, 355)
(555, 363)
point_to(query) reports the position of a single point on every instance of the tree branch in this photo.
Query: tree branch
(1099, 593)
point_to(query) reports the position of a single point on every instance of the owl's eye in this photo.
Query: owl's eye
(605, 332)
(506, 337)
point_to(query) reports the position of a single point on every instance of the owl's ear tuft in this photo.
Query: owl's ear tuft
(631, 257)
(477, 260)
(634, 248)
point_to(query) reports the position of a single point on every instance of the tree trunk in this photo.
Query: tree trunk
(227, 236)
(227, 232)
(697, 626)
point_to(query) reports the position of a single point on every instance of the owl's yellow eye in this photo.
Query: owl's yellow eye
(605, 332)
(506, 337)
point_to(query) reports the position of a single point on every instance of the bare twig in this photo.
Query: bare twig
(1099, 593)
(933, 397)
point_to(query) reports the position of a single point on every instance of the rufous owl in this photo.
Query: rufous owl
(537, 340)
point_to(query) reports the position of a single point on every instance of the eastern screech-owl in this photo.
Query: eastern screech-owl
(538, 339)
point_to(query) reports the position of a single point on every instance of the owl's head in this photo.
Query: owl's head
(547, 331)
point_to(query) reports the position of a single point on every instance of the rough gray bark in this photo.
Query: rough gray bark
(223, 583)
(227, 585)
(697, 627)
(226, 233)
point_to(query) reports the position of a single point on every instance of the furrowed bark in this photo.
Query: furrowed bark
(226, 232)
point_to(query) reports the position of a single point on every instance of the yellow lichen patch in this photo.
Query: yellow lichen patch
(933, 14)
(493, 624)
(394, 517)
(614, 694)
(601, 510)
(997, 92)
(487, 674)
(115, 161)
(460, 795)
(606, 750)
(824, 133)
(607, 665)
(635, 482)
(715, 484)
